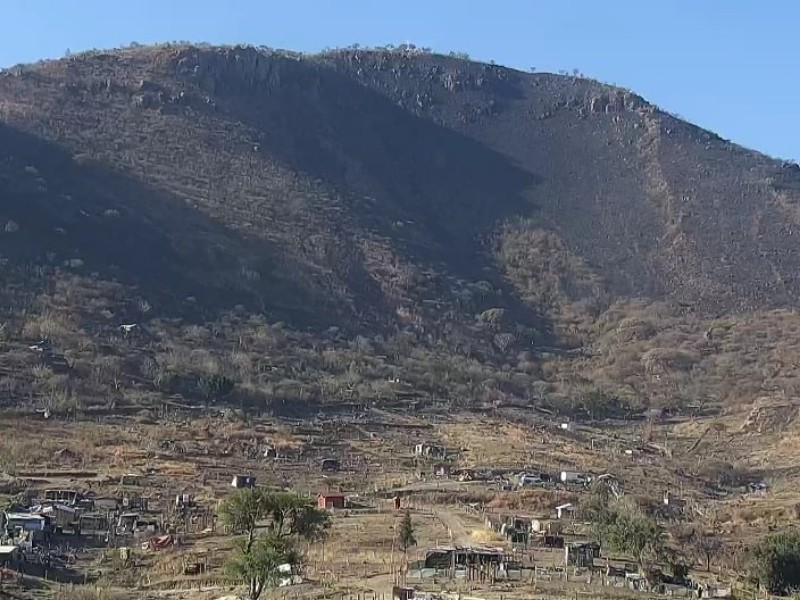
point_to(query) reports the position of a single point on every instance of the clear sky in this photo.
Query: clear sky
(732, 66)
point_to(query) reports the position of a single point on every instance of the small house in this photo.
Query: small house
(571, 477)
(10, 556)
(93, 524)
(553, 541)
(126, 523)
(26, 521)
(289, 576)
(675, 590)
(636, 582)
(564, 510)
(243, 481)
(670, 500)
(130, 479)
(184, 501)
(70, 497)
(516, 529)
(135, 501)
(330, 501)
(430, 451)
(462, 557)
(713, 591)
(330, 465)
(442, 470)
(545, 526)
(402, 593)
(529, 479)
(106, 504)
(63, 518)
(581, 554)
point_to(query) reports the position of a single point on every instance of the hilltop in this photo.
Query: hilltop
(381, 226)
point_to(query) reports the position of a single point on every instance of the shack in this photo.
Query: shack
(10, 556)
(130, 479)
(93, 524)
(26, 521)
(402, 593)
(430, 451)
(330, 501)
(126, 523)
(69, 497)
(472, 563)
(571, 477)
(442, 470)
(581, 554)
(243, 481)
(564, 510)
(671, 500)
(546, 526)
(63, 518)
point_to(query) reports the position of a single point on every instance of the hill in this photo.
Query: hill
(379, 225)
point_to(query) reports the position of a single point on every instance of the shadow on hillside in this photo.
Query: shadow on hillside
(435, 193)
(87, 218)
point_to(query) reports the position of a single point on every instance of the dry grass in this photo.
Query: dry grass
(485, 536)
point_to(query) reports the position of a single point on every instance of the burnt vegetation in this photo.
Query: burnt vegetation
(386, 225)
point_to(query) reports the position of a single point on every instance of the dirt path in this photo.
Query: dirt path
(459, 532)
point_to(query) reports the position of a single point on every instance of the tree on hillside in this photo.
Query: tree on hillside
(406, 533)
(287, 517)
(262, 565)
(296, 515)
(706, 546)
(596, 507)
(243, 510)
(284, 514)
(775, 562)
(629, 530)
(215, 387)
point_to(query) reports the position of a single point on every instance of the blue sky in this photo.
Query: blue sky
(728, 65)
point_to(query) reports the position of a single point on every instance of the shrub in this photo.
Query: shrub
(776, 562)
(215, 387)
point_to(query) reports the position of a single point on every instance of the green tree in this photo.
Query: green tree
(406, 532)
(283, 514)
(259, 566)
(630, 531)
(286, 516)
(215, 387)
(243, 510)
(596, 507)
(776, 562)
(296, 515)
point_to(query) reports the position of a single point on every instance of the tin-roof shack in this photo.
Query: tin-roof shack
(70, 497)
(581, 554)
(93, 524)
(564, 510)
(430, 450)
(9, 556)
(445, 557)
(26, 521)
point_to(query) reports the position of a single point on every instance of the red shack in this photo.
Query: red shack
(328, 501)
